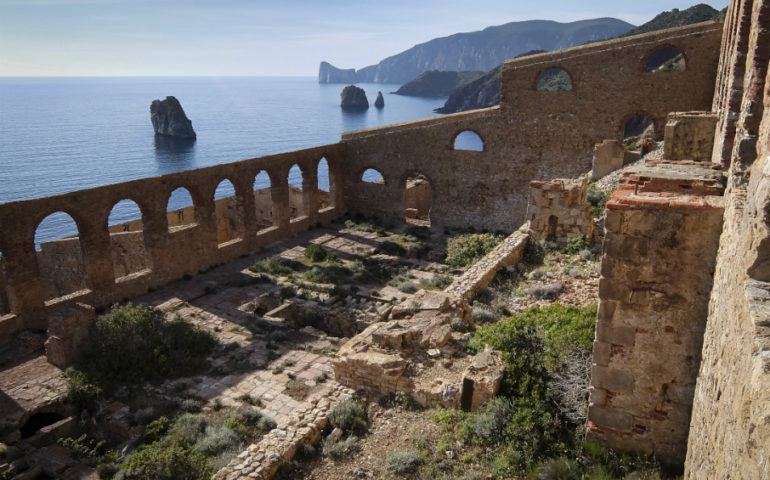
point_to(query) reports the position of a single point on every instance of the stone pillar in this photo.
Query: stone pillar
(662, 231)
(690, 136)
(608, 157)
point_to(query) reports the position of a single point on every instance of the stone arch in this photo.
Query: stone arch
(468, 140)
(639, 123)
(60, 256)
(263, 200)
(127, 242)
(297, 206)
(372, 175)
(180, 209)
(418, 198)
(555, 79)
(229, 212)
(664, 59)
(326, 185)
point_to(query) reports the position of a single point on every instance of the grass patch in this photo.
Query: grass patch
(466, 249)
(317, 253)
(277, 265)
(438, 282)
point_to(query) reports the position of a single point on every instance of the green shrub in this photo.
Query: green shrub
(277, 265)
(467, 249)
(401, 400)
(481, 314)
(316, 253)
(403, 462)
(598, 200)
(575, 244)
(336, 448)
(156, 429)
(438, 282)
(188, 429)
(266, 423)
(136, 343)
(218, 439)
(81, 391)
(350, 416)
(407, 287)
(165, 462)
(87, 449)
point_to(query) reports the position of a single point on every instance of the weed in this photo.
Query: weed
(277, 265)
(466, 249)
(350, 416)
(403, 462)
(482, 314)
(266, 423)
(400, 400)
(407, 287)
(438, 282)
(165, 462)
(337, 448)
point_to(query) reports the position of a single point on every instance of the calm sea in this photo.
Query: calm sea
(59, 135)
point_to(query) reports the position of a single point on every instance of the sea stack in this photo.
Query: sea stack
(353, 98)
(380, 102)
(168, 119)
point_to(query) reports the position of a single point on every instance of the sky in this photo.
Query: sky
(257, 37)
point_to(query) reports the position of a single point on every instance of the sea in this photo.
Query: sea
(65, 134)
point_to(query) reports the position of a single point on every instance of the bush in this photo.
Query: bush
(407, 287)
(80, 390)
(336, 448)
(401, 400)
(350, 416)
(156, 429)
(277, 265)
(316, 253)
(465, 250)
(165, 462)
(483, 315)
(575, 244)
(437, 282)
(404, 462)
(598, 200)
(136, 343)
(218, 439)
(266, 424)
(188, 429)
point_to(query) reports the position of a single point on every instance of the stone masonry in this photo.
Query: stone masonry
(689, 136)
(558, 209)
(662, 230)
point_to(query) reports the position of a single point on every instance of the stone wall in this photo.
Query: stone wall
(730, 424)
(558, 209)
(172, 252)
(533, 135)
(662, 229)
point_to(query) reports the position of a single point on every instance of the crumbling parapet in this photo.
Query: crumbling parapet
(662, 231)
(558, 209)
(689, 136)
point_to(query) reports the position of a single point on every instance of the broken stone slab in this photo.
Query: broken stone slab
(68, 330)
(426, 300)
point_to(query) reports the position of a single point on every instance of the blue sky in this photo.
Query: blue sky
(256, 37)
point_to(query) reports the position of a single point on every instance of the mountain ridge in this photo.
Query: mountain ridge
(479, 50)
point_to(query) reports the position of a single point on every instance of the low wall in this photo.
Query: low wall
(172, 251)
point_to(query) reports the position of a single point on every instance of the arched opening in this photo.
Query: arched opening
(129, 252)
(5, 308)
(296, 195)
(469, 140)
(636, 129)
(325, 186)
(371, 175)
(263, 200)
(665, 60)
(554, 80)
(417, 200)
(229, 210)
(60, 260)
(180, 209)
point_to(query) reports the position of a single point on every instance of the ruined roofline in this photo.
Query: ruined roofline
(652, 38)
(459, 117)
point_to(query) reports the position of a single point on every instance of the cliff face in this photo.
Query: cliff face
(435, 83)
(481, 50)
(328, 73)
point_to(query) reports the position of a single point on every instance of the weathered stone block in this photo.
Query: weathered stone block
(611, 379)
(610, 418)
(67, 332)
(689, 136)
(608, 157)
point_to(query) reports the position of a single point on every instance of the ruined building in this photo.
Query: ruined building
(682, 350)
